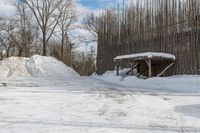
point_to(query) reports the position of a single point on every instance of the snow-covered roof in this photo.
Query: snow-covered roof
(147, 55)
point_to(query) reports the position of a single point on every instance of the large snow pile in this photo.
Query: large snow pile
(48, 66)
(37, 66)
(14, 66)
(174, 84)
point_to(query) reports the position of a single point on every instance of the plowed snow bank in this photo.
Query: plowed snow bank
(38, 66)
(173, 84)
(14, 66)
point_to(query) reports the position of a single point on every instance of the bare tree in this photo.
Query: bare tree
(4, 45)
(25, 31)
(67, 19)
(48, 14)
(91, 24)
(85, 62)
(9, 31)
(18, 31)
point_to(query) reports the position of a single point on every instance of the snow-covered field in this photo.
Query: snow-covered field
(98, 104)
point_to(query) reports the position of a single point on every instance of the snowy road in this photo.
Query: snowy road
(88, 105)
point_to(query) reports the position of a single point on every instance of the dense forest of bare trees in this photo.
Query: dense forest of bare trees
(170, 26)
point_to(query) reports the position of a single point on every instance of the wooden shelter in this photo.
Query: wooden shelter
(148, 64)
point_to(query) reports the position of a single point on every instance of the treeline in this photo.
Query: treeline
(170, 26)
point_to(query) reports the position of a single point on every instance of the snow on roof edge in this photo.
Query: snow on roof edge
(146, 54)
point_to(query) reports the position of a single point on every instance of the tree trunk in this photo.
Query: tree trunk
(61, 52)
(44, 44)
(62, 46)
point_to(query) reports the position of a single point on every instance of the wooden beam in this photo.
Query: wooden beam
(160, 74)
(132, 68)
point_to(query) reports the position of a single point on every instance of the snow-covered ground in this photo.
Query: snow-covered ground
(185, 84)
(98, 104)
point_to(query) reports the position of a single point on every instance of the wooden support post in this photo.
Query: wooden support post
(138, 67)
(132, 67)
(117, 67)
(149, 66)
(150, 69)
